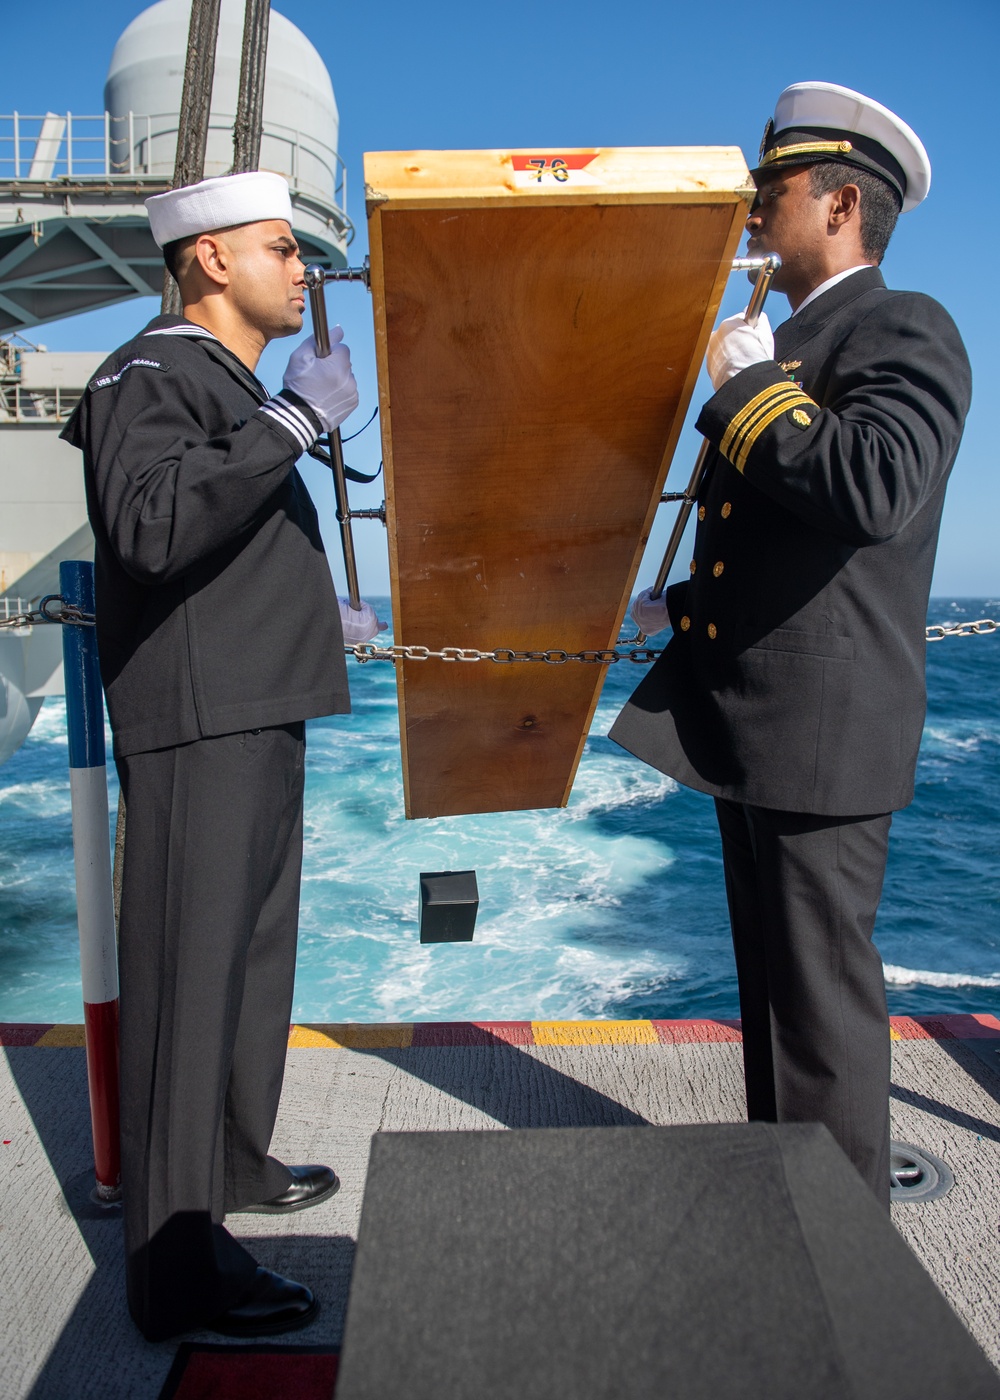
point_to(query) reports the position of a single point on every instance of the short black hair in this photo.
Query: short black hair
(880, 204)
(172, 253)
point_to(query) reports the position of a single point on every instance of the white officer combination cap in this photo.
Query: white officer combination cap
(222, 202)
(823, 121)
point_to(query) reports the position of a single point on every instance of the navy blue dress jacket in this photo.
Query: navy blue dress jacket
(794, 678)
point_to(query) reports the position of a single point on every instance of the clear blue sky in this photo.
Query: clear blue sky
(449, 75)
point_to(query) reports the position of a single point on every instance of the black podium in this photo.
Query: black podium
(689, 1263)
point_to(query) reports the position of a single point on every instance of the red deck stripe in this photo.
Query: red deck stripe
(445, 1033)
(24, 1033)
(950, 1026)
(697, 1032)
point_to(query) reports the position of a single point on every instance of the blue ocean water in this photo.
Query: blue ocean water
(613, 907)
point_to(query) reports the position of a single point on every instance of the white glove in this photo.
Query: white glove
(649, 615)
(327, 385)
(735, 346)
(359, 626)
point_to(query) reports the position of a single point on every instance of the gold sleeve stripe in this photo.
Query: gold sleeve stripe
(773, 394)
(755, 430)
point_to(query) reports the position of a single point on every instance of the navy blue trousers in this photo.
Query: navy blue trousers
(207, 937)
(803, 892)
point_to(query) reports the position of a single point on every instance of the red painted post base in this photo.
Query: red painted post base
(101, 1023)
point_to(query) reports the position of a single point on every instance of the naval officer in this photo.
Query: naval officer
(792, 690)
(219, 635)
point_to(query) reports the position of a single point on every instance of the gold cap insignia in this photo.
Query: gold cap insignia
(800, 416)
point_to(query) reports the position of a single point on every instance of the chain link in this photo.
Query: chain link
(556, 656)
(68, 614)
(982, 628)
(504, 656)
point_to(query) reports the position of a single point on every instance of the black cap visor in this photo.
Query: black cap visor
(810, 145)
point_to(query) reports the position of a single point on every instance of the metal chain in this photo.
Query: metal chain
(642, 656)
(504, 656)
(68, 614)
(982, 628)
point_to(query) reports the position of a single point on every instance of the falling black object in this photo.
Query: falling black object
(449, 902)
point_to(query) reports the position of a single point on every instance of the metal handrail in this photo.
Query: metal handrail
(54, 405)
(117, 148)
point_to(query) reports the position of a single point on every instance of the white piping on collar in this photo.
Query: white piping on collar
(186, 330)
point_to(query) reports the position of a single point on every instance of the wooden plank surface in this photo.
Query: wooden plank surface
(537, 344)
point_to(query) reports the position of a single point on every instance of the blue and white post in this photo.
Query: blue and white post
(88, 780)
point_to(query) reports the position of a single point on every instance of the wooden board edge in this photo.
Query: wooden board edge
(434, 179)
(684, 403)
(451, 199)
(385, 428)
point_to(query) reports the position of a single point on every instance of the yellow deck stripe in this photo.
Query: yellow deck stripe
(356, 1036)
(63, 1037)
(594, 1033)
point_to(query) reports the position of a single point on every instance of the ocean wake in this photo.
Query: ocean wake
(910, 977)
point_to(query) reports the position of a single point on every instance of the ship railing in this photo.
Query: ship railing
(15, 607)
(69, 147)
(19, 405)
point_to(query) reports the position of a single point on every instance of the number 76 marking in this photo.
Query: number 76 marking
(539, 166)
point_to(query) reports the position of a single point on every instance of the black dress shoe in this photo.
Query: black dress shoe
(309, 1186)
(274, 1304)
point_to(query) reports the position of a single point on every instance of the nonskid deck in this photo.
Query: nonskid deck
(64, 1271)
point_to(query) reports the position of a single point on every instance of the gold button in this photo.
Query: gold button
(727, 510)
(712, 631)
(693, 565)
(701, 512)
(718, 568)
(685, 624)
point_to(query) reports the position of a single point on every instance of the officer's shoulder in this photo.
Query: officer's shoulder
(894, 315)
(896, 305)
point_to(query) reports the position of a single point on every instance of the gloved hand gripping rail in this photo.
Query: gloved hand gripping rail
(314, 278)
(767, 267)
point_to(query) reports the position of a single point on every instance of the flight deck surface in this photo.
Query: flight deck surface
(65, 1332)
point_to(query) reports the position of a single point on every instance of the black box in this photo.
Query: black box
(449, 902)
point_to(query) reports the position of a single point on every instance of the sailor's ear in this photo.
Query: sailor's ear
(845, 204)
(213, 257)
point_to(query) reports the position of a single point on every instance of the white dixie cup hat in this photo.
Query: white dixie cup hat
(222, 202)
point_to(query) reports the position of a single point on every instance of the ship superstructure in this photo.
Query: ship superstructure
(74, 237)
(43, 519)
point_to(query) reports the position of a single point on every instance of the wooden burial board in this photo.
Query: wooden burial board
(540, 320)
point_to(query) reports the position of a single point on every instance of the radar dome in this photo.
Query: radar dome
(301, 123)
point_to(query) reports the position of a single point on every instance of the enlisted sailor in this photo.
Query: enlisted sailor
(219, 636)
(792, 689)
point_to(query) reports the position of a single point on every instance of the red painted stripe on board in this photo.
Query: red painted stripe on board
(445, 1033)
(24, 1032)
(697, 1032)
(572, 160)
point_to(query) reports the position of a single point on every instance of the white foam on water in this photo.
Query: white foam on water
(556, 934)
(41, 798)
(954, 739)
(910, 977)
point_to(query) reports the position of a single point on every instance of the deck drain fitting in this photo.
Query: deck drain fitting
(916, 1175)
